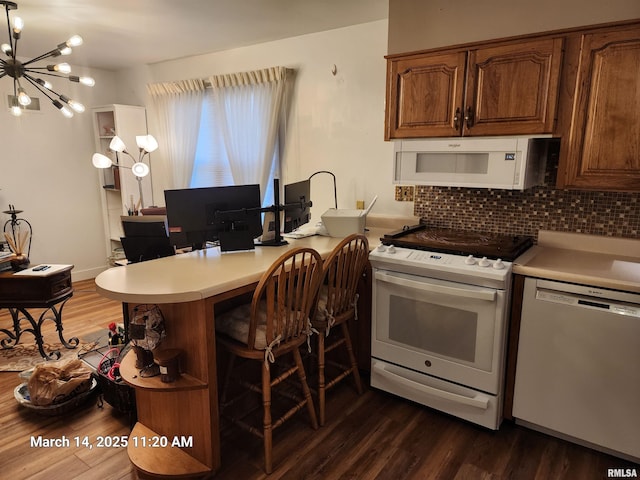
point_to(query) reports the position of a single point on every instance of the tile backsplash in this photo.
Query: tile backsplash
(526, 212)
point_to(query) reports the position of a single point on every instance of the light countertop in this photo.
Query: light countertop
(203, 273)
(606, 262)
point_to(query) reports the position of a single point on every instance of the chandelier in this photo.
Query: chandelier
(26, 72)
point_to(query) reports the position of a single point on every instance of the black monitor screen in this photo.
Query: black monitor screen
(296, 199)
(144, 226)
(197, 215)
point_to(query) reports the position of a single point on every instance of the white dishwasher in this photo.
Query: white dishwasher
(577, 373)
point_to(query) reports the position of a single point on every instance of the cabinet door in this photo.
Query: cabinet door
(604, 146)
(423, 95)
(513, 89)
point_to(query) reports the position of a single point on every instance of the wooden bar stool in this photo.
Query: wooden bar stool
(337, 300)
(274, 324)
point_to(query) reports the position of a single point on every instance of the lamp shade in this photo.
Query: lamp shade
(140, 169)
(147, 143)
(117, 145)
(101, 161)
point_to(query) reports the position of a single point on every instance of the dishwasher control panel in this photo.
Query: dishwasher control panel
(575, 299)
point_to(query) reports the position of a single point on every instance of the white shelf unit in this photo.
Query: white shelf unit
(118, 185)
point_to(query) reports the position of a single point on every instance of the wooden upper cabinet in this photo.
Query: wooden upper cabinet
(513, 89)
(425, 96)
(501, 89)
(602, 149)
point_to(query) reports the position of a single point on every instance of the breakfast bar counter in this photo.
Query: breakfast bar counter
(188, 288)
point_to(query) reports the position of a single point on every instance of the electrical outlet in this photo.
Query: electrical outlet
(404, 193)
(360, 204)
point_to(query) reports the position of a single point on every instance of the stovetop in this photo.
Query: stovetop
(459, 242)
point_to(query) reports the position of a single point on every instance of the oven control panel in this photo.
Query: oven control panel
(438, 265)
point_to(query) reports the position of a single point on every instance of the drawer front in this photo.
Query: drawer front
(16, 291)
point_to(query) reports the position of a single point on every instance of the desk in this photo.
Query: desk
(188, 288)
(48, 290)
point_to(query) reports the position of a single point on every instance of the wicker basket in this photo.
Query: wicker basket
(113, 389)
(21, 394)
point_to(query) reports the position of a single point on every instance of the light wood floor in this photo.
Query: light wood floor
(373, 436)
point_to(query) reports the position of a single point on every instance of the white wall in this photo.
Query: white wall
(46, 171)
(418, 25)
(336, 122)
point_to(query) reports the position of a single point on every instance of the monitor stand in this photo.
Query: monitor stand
(274, 212)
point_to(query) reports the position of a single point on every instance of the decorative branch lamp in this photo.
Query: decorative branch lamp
(146, 144)
(26, 71)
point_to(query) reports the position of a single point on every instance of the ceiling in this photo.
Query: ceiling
(122, 33)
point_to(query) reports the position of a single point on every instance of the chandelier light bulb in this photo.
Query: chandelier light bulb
(60, 67)
(74, 41)
(88, 81)
(77, 106)
(6, 48)
(23, 98)
(44, 83)
(64, 110)
(16, 109)
(66, 51)
(18, 25)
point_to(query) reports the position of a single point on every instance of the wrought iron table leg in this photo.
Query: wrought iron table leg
(57, 313)
(35, 330)
(21, 313)
(13, 338)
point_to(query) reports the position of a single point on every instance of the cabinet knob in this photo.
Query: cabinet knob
(456, 119)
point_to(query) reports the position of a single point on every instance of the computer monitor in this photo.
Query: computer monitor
(197, 215)
(144, 225)
(141, 249)
(146, 238)
(297, 203)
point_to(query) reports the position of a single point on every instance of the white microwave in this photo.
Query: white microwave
(511, 163)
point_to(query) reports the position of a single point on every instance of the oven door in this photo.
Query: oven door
(452, 331)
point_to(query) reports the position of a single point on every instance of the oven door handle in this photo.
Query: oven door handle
(489, 295)
(478, 400)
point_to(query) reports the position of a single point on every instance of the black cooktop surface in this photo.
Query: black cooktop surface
(460, 242)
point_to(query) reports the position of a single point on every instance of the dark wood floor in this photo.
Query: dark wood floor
(372, 436)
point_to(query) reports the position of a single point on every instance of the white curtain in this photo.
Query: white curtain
(177, 107)
(248, 107)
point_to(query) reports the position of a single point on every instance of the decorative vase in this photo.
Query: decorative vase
(19, 262)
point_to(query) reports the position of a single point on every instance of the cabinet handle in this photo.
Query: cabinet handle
(456, 119)
(468, 118)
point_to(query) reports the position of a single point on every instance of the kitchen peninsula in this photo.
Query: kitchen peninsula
(187, 288)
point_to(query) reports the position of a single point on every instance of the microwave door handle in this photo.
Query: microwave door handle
(478, 400)
(488, 295)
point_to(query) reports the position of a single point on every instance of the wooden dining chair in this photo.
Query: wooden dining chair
(275, 323)
(337, 306)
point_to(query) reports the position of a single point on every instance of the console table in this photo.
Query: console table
(23, 291)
